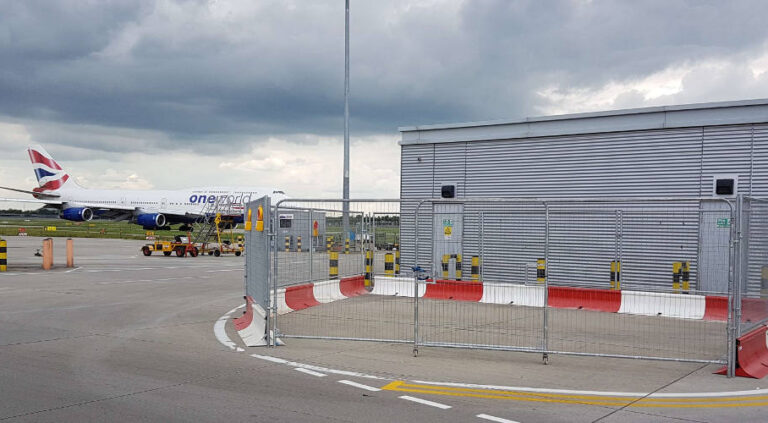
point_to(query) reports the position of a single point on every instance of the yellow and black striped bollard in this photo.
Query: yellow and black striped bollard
(475, 270)
(686, 273)
(298, 244)
(677, 273)
(541, 270)
(346, 246)
(3, 255)
(328, 243)
(389, 264)
(444, 265)
(368, 270)
(397, 262)
(458, 266)
(333, 265)
(616, 275)
(287, 244)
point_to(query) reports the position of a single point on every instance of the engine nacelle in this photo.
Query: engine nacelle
(77, 214)
(151, 220)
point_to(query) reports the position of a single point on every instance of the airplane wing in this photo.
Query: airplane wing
(37, 194)
(21, 200)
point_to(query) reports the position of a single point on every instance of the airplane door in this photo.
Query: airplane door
(164, 204)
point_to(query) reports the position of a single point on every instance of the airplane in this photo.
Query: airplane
(152, 209)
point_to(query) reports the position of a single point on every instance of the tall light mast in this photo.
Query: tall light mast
(345, 194)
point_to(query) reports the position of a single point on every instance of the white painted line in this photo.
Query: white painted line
(310, 372)
(360, 385)
(318, 368)
(72, 270)
(425, 402)
(221, 334)
(495, 419)
(268, 358)
(219, 330)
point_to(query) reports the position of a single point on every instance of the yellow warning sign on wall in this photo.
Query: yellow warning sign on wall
(448, 228)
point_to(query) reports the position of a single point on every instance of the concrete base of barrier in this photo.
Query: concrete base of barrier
(751, 354)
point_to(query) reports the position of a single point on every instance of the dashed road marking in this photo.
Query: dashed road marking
(495, 419)
(359, 385)
(270, 358)
(425, 402)
(310, 372)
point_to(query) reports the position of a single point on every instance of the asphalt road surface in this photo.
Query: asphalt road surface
(124, 337)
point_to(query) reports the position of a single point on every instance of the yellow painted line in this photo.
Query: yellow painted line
(687, 402)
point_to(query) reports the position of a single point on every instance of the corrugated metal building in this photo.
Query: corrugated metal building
(676, 151)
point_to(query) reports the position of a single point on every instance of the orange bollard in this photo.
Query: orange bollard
(47, 253)
(70, 253)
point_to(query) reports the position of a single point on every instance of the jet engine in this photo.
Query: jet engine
(77, 214)
(151, 220)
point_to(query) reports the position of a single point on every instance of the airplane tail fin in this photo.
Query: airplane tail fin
(50, 176)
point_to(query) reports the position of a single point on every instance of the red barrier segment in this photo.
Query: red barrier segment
(300, 297)
(716, 308)
(751, 355)
(353, 287)
(585, 299)
(454, 290)
(245, 320)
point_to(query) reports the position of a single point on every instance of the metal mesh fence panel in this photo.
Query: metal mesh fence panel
(754, 259)
(596, 277)
(326, 279)
(639, 278)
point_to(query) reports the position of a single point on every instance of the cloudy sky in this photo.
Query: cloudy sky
(174, 93)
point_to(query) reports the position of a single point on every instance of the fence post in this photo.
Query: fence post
(311, 243)
(545, 355)
(733, 257)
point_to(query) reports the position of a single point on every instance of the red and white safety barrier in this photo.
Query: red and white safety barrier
(683, 306)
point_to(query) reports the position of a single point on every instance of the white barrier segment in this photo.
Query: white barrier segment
(255, 334)
(660, 304)
(327, 291)
(282, 306)
(508, 293)
(397, 286)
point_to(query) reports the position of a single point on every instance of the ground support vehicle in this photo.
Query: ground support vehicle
(180, 245)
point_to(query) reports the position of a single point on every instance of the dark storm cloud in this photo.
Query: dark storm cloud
(196, 72)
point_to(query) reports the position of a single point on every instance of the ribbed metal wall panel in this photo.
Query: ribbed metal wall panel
(726, 150)
(647, 163)
(417, 164)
